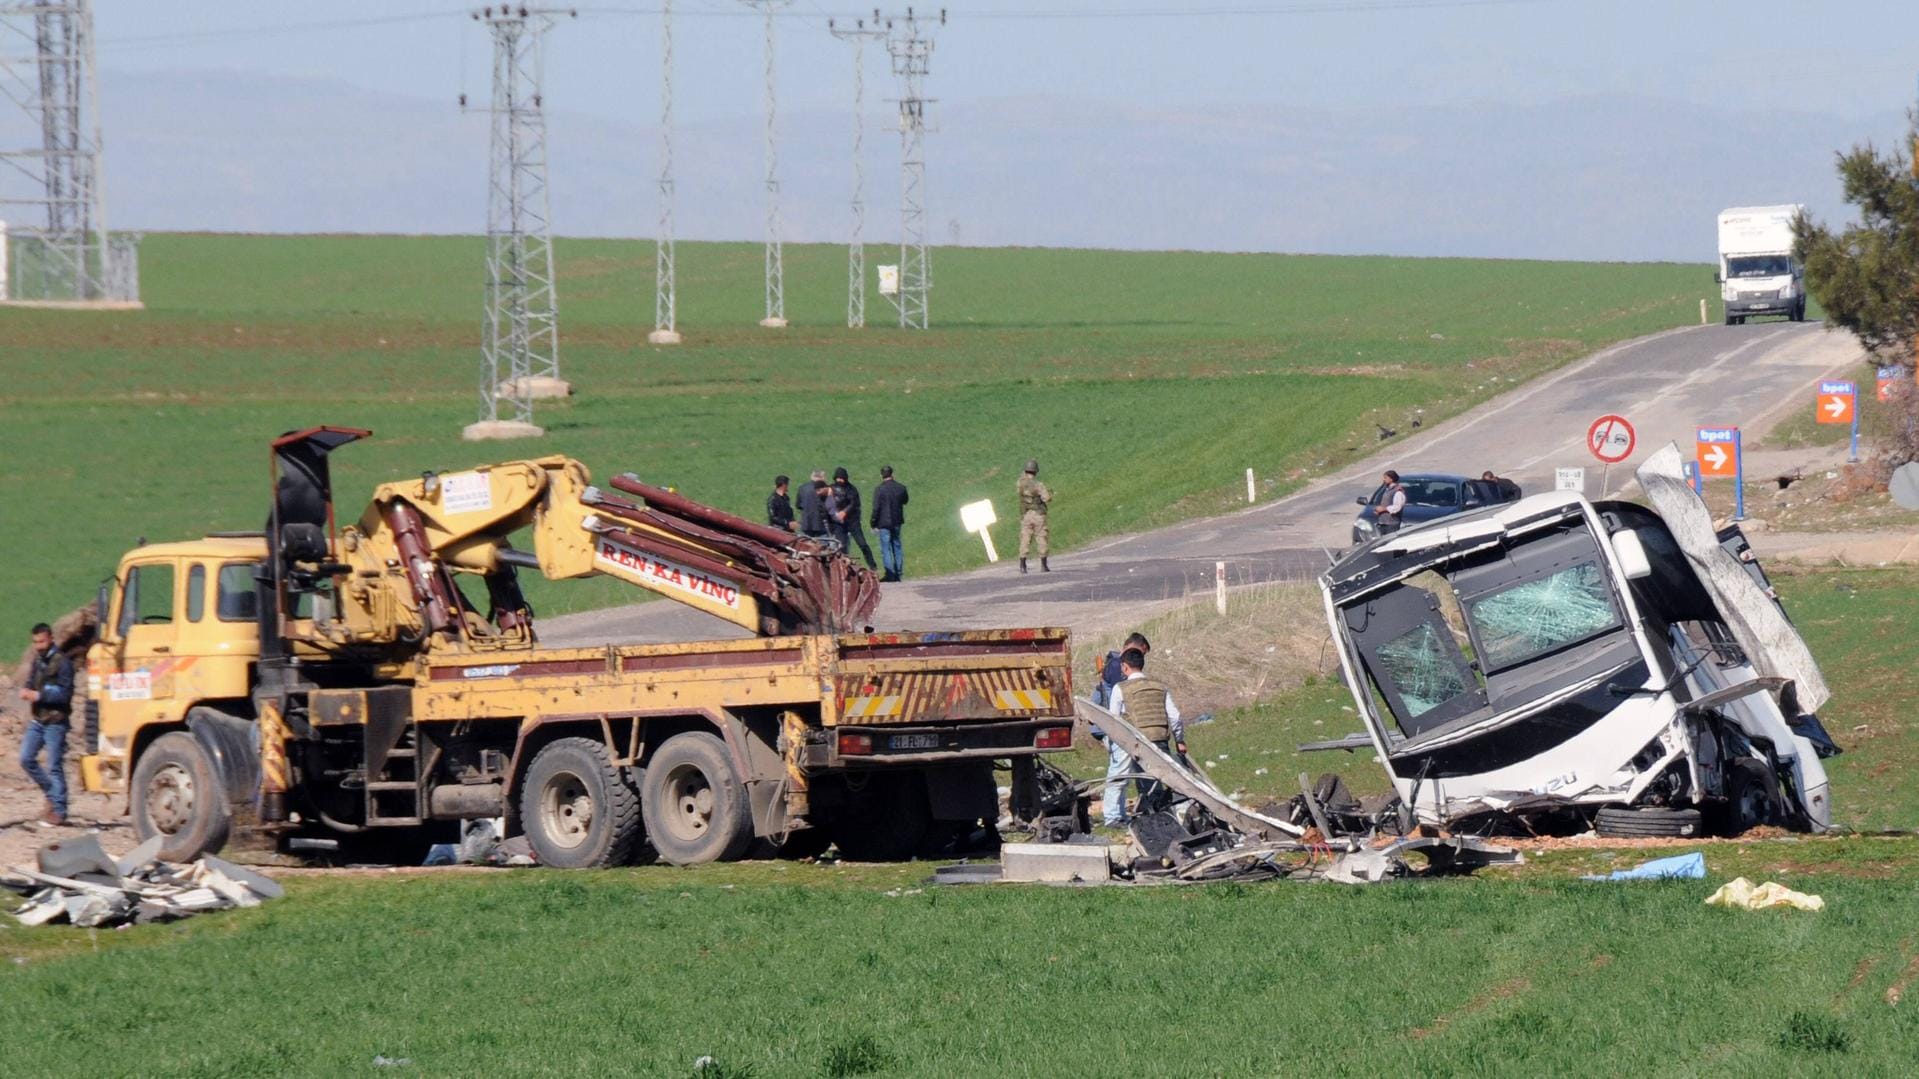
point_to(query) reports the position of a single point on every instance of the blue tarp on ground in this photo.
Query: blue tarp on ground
(1678, 867)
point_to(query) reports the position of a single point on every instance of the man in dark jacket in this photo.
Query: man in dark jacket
(1119, 763)
(813, 507)
(779, 508)
(889, 513)
(49, 696)
(844, 520)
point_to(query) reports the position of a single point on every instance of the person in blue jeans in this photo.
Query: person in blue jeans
(49, 695)
(1118, 761)
(889, 515)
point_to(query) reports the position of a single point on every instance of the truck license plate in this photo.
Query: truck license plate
(913, 741)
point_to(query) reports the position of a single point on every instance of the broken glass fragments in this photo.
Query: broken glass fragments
(1542, 615)
(1423, 667)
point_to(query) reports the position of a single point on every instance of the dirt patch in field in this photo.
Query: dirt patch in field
(1505, 990)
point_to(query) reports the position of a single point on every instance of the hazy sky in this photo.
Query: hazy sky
(1362, 53)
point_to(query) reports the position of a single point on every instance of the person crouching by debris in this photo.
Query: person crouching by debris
(1119, 763)
(1392, 503)
(1148, 705)
(49, 695)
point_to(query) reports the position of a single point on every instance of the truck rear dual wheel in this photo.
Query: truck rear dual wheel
(696, 808)
(578, 809)
(178, 794)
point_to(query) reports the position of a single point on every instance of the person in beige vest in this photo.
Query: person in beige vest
(1148, 705)
(1034, 499)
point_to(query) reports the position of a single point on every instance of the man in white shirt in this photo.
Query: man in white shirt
(1391, 504)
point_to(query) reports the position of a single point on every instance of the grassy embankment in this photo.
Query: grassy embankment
(1145, 382)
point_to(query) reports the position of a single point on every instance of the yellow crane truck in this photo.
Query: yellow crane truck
(316, 681)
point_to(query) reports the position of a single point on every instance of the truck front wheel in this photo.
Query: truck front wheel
(578, 810)
(696, 809)
(177, 794)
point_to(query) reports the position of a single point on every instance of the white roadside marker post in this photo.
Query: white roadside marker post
(979, 517)
(1702, 312)
(1219, 586)
(1249, 487)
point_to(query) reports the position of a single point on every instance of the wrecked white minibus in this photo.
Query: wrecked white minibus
(1557, 664)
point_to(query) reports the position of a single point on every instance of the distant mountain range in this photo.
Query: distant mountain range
(1610, 178)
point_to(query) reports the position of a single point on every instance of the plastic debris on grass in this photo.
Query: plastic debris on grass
(1678, 867)
(1741, 894)
(76, 882)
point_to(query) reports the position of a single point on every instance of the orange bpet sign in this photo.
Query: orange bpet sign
(671, 574)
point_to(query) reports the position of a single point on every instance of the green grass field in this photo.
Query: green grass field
(1145, 382)
(811, 970)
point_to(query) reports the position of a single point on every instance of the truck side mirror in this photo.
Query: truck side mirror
(103, 602)
(1717, 278)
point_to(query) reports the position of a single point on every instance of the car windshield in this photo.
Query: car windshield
(1758, 266)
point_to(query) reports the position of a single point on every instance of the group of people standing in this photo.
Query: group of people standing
(830, 512)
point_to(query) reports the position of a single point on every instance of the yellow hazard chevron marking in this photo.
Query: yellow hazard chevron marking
(1022, 700)
(869, 707)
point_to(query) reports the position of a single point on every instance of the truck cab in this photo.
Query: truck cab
(177, 630)
(1758, 272)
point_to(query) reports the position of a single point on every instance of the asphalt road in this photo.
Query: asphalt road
(1666, 385)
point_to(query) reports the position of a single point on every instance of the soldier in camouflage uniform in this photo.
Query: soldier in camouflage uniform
(1033, 500)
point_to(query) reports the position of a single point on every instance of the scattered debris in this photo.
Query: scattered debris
(1740, 893)
(1191, 832)
(76, 881)
(1678, 867)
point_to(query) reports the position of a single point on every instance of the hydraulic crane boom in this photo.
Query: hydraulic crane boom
(395, 572)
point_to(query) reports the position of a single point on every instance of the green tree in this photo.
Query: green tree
(1866, 277)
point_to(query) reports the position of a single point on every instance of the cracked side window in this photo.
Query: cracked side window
(1423, 668)
(1543, 615)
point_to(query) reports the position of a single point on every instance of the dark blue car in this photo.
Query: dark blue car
(1430, 495)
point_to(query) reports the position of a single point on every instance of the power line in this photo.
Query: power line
(184, 37)
(665, 284)
(520, 332)
(909, 41)
(775, 254)
(858, 35)
(65, 254)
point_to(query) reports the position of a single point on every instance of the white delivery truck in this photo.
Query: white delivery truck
(1758, 274)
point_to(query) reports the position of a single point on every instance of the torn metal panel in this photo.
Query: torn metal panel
(1750, 610)
(1159, 764)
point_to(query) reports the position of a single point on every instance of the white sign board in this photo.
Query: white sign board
(1569, 479)
(465, 492)
(889, 280)
(979, 517)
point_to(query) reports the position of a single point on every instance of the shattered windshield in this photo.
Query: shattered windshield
(1423, 668)
(1542, 615)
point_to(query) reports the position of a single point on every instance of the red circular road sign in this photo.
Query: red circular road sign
(1611, 439)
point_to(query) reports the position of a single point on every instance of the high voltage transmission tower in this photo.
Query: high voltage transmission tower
(775, 256)
(910, 43)
(665, 298)
(856, 245)
(62, 252)
(520, 342)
